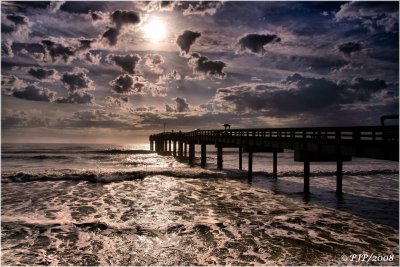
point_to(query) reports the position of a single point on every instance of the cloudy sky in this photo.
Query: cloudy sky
(114, 72)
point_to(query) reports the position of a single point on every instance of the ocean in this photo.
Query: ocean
(76, 204)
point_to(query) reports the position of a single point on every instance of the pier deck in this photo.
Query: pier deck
(337, 144)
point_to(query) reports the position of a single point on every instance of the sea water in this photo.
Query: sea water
(74, 204)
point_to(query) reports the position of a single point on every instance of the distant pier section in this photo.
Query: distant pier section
(319, 144)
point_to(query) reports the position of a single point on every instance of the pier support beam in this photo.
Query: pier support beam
(169, 146)
(250, 168)
(240, 157)
(306, 177)
(219, 157)
(165, 145)
(185, 150)
(203, 155)
(339, 177)
(180, 149)
(275, 165)
(174, 146)
(151, 145)
(191, 153)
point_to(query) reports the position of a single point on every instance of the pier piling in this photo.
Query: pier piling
(240, 157)
(306, 177)
(250, 168)
(191, 153)
(339, 177)
(219, 157)
(203, 155)
(275, 165)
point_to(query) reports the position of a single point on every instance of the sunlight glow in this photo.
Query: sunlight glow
(155, 30)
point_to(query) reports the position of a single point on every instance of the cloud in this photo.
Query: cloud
(77, 97)
(202, 64)
(18, 20)
(34, 93)
(6, 49)
(57, 51)
(122, 17)
(42, 73)
(11, 83)
(77, 80)
(83, 7)
(135, 85)
(255, 42)
(153, 62)
(111, 34)
(121, 102)
(94, 59)
(202, 8)
(180, 105)
(186, 40)
(349, 48)
(295, 95)
(86, 43)
(127, 63)
(371, 15)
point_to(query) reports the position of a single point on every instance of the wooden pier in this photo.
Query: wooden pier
(336, 144)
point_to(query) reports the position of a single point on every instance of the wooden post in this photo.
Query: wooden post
(191, 153)
(219, 157)
(165, 145)
(306, 177)
(240, 157)
(185, 150)
(250, 169)
(275, 165)
(203, 155)
(180, 149)
(174, 146)
(151, 145)
(339, 177)
(169, 146)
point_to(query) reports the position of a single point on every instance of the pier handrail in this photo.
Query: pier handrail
(357, 133)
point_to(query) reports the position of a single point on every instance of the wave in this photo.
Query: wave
(118, 176)
(38, 157)
(108, 177)
(69, 151)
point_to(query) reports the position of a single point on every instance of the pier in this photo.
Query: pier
(317, 144)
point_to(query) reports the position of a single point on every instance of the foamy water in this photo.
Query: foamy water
(122, 205)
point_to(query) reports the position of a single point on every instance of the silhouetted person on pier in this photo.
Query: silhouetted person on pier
(227, 126)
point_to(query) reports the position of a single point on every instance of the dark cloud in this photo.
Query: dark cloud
(362, 89)
(127, 63)
(59, 50)
(94, 59)
(121, 102)
(6, 28)
(77, 81)
(18, 19)
(6, 49)
(121, 17)
(127, 84)
(349, 48)
(186, 40)
(83, 7)
(111, 34)
(34, 93)
(41, 73)
(181, 104)
(135, 85)
(86, 43)
(203, 65)
(77, 97)
(24, 5)
(96, 16)
(168, 108)
(256, 42)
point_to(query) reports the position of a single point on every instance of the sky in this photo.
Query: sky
(115, 72)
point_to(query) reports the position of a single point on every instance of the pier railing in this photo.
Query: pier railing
(362, 133)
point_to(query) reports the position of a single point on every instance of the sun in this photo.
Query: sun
(154, 30)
